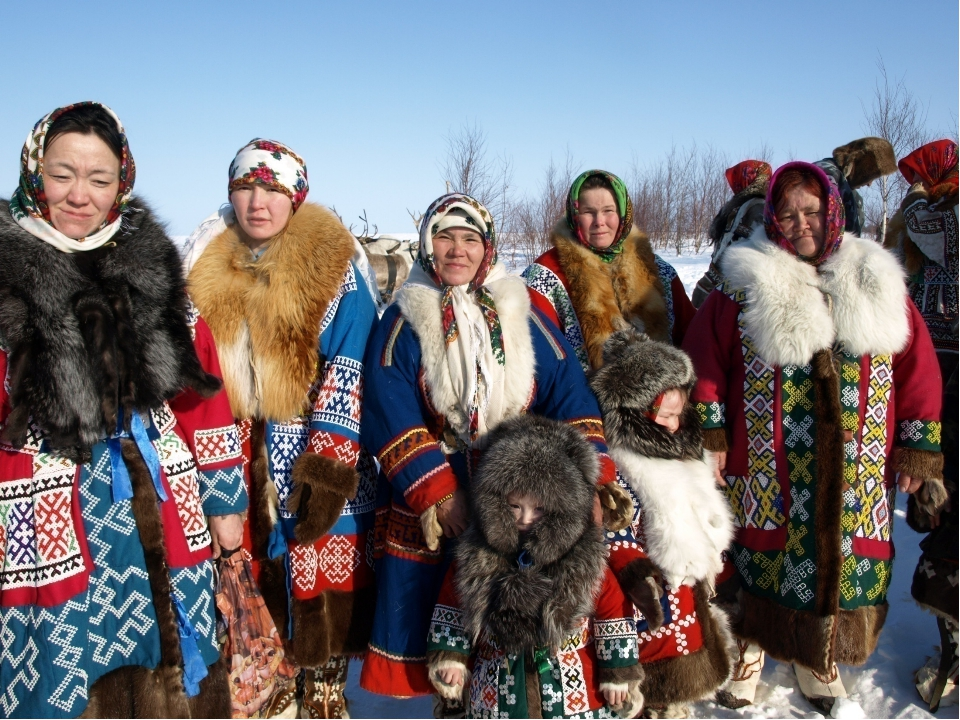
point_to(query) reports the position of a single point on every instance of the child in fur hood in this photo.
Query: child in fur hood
(530, 618)
(684, 523)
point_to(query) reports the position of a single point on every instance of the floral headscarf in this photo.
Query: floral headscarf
(833, 230)
(744, 174)
(935, 164)
(28, 206)
(272, 163)
(624, 209)
(483, 223)
(472, 334)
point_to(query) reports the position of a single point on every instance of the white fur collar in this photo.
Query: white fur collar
(420, 306)
(793, 309)
(686, 520)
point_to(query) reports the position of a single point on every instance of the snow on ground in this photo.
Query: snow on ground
(883, 688)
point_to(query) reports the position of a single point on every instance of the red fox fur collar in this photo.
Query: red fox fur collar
(610, 296)
(265, 313)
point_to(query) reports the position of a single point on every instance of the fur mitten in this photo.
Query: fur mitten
(642, 582)
(925, 503)
(629, 679)
(617, 506)
(432, 530)
(321, 487)
(445, 660)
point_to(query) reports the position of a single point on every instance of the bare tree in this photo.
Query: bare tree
(535, 216)
(899, 118)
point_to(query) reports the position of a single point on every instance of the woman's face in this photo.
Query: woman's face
(457, 254)
(597, 217)
(262, 211)
(802, 216)
(81, 178)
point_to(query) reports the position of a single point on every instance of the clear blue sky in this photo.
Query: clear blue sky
(367, 92)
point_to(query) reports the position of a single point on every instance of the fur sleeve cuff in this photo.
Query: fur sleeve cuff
(321, 486)
(445, 660)
(620, 676)
(921, 464)
(715, 440)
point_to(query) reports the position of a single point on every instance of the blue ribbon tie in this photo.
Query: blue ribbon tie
(194, 669)
(122, 487)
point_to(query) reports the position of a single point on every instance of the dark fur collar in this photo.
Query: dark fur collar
(89, 333)
(631, 430)
(526, 608)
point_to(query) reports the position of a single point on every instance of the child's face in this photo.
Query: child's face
(670, 409)
(526, 510)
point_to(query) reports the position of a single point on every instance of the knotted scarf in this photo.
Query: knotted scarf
(744, 174)
(624, 210)
(934, 164)
(28, 206)
(834, 221)
(471, 327)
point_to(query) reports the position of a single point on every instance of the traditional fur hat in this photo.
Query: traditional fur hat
(865, 160)
(541, 601)
(635, 371)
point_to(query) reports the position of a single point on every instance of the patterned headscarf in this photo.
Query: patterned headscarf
(934, 163)
(624, 209)
(744, 174)
(28, 206)
(472, 334)
(833, 230)
(480, 219)
(272, 163)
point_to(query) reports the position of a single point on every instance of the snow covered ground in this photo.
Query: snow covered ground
(883, 688)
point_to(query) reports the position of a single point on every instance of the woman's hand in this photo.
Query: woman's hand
(720, 467)
(452, 515)
(451, 675)
(614, 695)
(226, 531)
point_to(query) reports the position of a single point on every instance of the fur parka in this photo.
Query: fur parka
(525, 597)
(95, 333)
(685, 521)
(611, 296)
(270, 317)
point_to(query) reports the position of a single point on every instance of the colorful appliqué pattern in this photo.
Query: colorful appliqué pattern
(545, 282)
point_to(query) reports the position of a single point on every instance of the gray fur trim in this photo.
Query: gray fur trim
(635, 371)
(93, 332)
(524, 608)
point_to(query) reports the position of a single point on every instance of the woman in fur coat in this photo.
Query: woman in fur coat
(459, 351)
(115, 446)
(818, 384)
(684, 525)
(602, 274)
(530, 622)
(291, 316)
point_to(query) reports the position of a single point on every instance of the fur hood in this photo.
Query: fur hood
(686, 521)
(611, 296)
(856, 297)
(420, 306)
(635, 371)
(265, 313)
(540, 604)
(94, 332)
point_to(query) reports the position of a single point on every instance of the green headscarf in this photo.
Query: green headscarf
(624, 209)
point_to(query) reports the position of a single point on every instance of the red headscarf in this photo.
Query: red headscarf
(935, 164)
(832, 232)
(745, 173)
